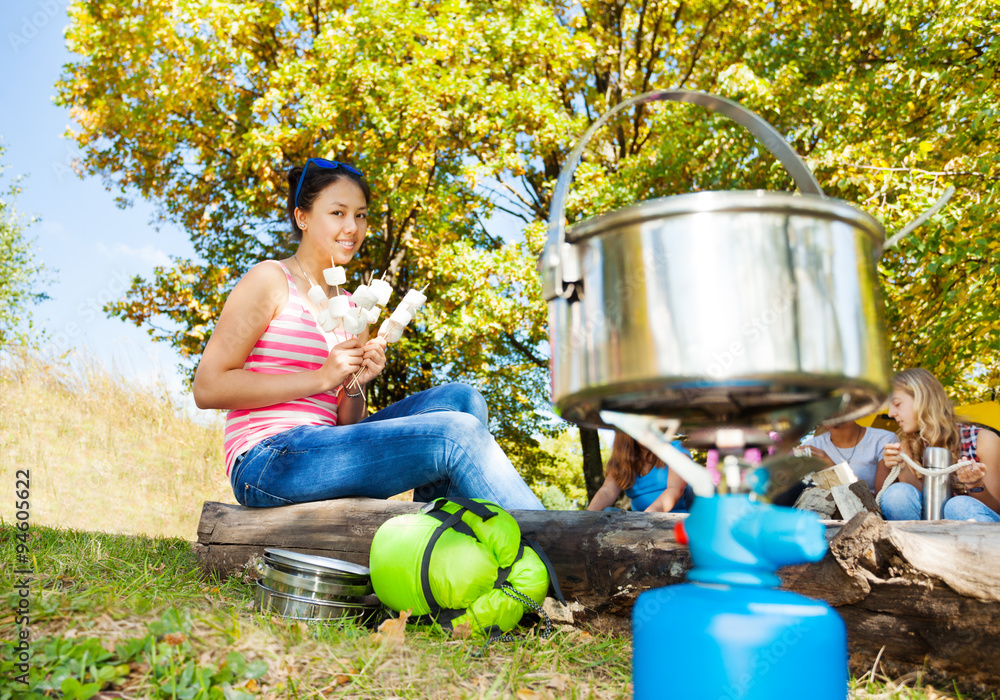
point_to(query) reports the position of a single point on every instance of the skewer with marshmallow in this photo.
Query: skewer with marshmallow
(337, 312)
(371, 298)
(392, 328)
(367, 298)
(330, 318)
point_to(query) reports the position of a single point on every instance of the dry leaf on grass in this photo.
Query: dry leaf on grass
(529, 694)
(462, 631)
(393, 631)
(347, 665)
(338, 681)
(558, 682)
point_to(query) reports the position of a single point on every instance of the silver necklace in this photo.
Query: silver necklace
(296, 258)
(853, 449)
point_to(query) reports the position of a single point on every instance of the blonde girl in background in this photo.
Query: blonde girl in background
(926, 418)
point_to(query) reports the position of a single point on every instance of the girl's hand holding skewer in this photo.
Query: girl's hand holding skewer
(373, 360)
(343, 362)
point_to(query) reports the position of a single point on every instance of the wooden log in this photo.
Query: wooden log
(852, 499)
(818, 500)
(926, 595)
(928, 592)
(603, 560)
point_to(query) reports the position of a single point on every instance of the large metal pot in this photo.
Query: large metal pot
(746, 308)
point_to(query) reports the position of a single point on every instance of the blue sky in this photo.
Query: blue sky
(91, 247)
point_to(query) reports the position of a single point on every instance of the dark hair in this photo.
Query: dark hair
(317, 180)
(628, 460)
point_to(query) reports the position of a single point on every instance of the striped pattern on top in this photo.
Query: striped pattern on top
(293, 342)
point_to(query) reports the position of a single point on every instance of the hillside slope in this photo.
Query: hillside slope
(102, 454)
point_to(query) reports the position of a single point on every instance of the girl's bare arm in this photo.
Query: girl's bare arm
(988, 468)
(606, 495)
(221, 381)
(666, 501)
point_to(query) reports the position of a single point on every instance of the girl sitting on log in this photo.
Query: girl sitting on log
(298, 428)
(926, 419)
(649, 483)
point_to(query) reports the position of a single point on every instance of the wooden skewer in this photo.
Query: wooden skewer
(354, 380)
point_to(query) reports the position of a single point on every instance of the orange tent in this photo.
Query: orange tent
(984, 412)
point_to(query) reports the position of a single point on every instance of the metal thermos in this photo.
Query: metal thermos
(937, 487)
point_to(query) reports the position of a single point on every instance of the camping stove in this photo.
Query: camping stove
(728, 631)
(742, 316)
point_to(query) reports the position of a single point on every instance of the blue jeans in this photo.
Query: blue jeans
(905, 502)
(435, 442)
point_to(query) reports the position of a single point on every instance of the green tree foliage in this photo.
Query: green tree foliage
(460, 110)
(23, 280)
(202, 107)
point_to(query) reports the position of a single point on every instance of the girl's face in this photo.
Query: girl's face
(901, 410)
(338, 221)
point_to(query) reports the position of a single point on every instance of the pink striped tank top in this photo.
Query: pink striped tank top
(293, 342)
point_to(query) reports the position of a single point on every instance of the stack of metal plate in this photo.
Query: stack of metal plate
(310, 587)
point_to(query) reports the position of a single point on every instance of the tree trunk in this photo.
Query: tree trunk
(923, 595)
(593, 468)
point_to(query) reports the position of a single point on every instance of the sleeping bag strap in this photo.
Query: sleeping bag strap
(468, 504)
(425, 562)
(443, 617)
(553, 579)
(448, 521)
(504, 572)
(460, 526)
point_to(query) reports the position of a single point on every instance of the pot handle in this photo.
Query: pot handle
(919, 221)
(554, 274)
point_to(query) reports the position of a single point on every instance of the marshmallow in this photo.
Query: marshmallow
(339, 306)
(355, 323)
(387, 326)
(394, 335)
(401, 316)
(364, 297)
(414, 299)
(317, 295)
(382, 290)
(335, 276)
(373, 314)
(326, 321)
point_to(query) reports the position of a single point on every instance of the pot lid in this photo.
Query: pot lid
(315, 563)
(737, 201)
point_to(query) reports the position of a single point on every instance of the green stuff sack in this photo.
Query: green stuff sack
(460, 561)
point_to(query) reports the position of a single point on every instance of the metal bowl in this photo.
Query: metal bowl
(311, 585)
(297, 607)
(327, 569)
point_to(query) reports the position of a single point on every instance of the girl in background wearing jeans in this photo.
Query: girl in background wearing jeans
(926, 419)
(297, 428)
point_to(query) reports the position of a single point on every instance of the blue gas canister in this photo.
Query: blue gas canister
(728, 634)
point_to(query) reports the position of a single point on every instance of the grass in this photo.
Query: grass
(120, 607)
(103, 454)
(133, 614)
